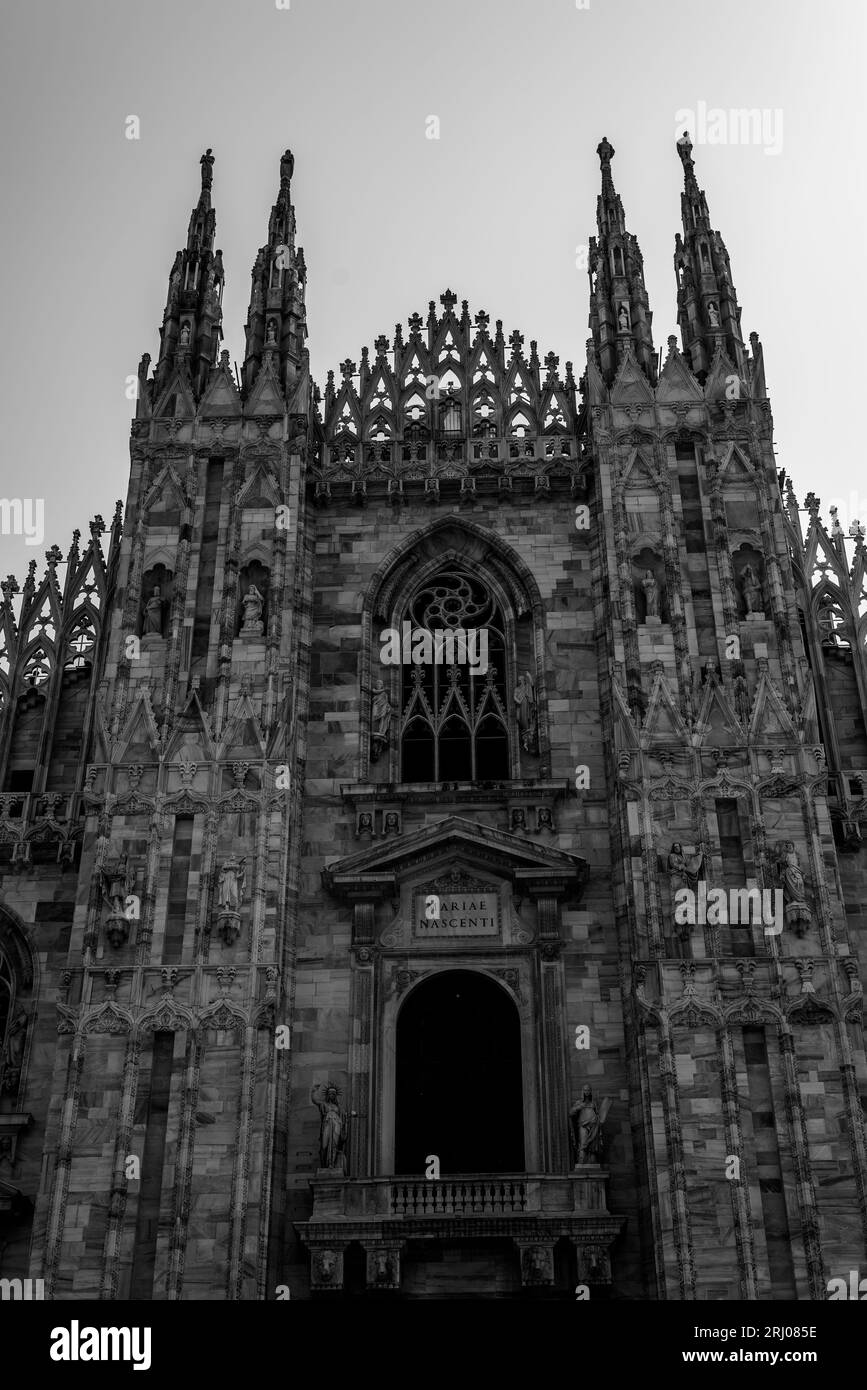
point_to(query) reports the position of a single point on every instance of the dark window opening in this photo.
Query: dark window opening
(459, 1091)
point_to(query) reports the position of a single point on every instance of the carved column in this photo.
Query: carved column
(360, 1060)
(553, 1102)
(740, 1192)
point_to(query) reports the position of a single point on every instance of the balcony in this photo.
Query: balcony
(532, 1210)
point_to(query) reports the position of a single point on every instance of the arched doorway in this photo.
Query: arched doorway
(459, 1093)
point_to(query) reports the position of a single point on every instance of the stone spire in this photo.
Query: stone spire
(276, 326)
(707, 306)
(192, 323)
(620, 314)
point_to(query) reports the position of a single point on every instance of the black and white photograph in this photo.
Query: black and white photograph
(433, 682)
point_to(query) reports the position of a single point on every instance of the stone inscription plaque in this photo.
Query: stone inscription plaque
(475, 913)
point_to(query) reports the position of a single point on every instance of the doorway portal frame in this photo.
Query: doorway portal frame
(399, 979)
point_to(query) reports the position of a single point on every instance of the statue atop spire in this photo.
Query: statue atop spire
(287, 167)
(207, 163)
(684, 149)
(606, 153)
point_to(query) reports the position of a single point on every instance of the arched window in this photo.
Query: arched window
(454, 723)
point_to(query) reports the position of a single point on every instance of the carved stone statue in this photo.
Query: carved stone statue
(791, 878)
(332, 1128)
(185, 334)
(230, 885)
(13, 1053)
(380, 719)
(751, 590)
(153, 614)
(252, 604)
(651, 594)
(623, 317)
(586, 1120)
(713, 314)
(117, 884)
(525, 698)
(230, 895)
(683, 872)
(271, 333)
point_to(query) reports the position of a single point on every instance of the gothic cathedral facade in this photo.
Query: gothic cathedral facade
(338, 959)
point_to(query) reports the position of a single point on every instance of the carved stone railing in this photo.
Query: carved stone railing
(392, 465)
(467, 1196)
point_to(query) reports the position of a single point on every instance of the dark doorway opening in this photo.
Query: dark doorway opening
(459, 1092)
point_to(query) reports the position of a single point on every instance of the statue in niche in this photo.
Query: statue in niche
(525, 699)
(252, 605)
(332, 1128)
(651, 594)
(392, 824)
(683, 872)
(230, 885)
(271, 333)
(751, 590)
(13, 1052)
(365, 824)
(153, 614)
(791, 878)
(117, 884)
(713, 314)
(586, 1119)
(623, 316)
(380, 719)
(185, 334)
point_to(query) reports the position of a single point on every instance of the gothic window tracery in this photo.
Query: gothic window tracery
(454, 724)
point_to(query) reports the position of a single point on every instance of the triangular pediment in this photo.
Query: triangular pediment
(717, 722)
(454, 839)
(770, 717)
(724, 382)
(663, 722)
(221, 397)
(266, 398)
(139, 740)
(631, 385)
(676, 381)
(179, 395)
(735, 467)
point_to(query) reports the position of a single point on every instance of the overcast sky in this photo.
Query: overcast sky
(494, 209)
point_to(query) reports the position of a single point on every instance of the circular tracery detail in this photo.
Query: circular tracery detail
(453, 600)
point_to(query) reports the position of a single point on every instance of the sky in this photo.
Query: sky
(494, 209)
